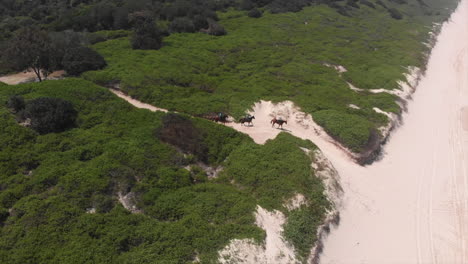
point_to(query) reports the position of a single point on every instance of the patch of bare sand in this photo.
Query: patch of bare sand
(299, 124)
(274, 250)
(28, 76)
(128, 201)
(137, 103)
(464, 118)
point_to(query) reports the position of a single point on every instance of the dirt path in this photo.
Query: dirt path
(28, 76)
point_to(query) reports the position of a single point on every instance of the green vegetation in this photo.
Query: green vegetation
(301, 228)
(62, 180)
(348, 128)
(50, 183)
(276, 57)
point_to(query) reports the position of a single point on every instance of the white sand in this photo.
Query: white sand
(28, 76)
(296, 202)
(137, 103)
(274, 250)
(128, 201)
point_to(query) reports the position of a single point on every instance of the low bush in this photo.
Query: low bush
(179, 131)
(16, 103)
(182, 24)
(50, 114)
(351, 130)
(394, 13)
(81, 59)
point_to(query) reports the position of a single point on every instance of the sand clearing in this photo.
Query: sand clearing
(28, 76)
(275, 249)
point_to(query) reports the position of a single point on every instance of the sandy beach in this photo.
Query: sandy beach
(412, 206)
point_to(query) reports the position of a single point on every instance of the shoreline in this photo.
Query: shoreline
(412, 202)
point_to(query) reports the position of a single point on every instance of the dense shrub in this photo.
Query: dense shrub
(182, 24)
(145, 33)
(301, 227)
(280, 6)
(394, 13)
(352, 3)
(3, 215)
(81, 59)
(215, 29)
(351, 130)
(246, 5)
(255, 13)
(50, 114)
(367, 3)
(16, 103)
(399, 1)
(179, 131)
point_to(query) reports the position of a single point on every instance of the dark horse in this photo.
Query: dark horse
(247, 119)
(280, 122)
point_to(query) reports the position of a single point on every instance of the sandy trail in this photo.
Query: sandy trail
(28, 76)
(137, 103)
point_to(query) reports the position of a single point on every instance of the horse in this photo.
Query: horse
(246, 120)
(280, 122)
(220, 118)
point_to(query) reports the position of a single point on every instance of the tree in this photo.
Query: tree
(31, 48)
(145, 34)
(50, 114)
(81, 59)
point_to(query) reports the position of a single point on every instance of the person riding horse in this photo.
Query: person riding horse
(247, 119)
(220, 117)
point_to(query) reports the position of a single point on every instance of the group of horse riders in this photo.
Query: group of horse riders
(221, 117)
